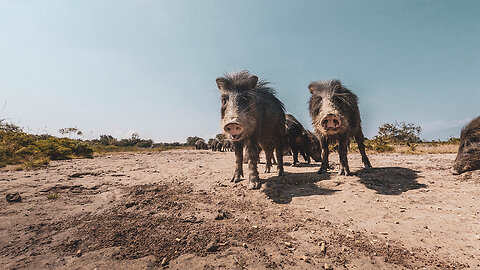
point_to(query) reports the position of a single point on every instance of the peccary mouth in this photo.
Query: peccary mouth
(331, 130)
(237, 137)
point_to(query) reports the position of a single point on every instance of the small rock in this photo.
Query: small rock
(305, 258)
(244, 245)
(212, 246)
(323, 248)
(221, 215)
(288, 244)
(327, 266)
(164, 261)
(130, 204)
(13, 197)
(383, 233)
(79, 253)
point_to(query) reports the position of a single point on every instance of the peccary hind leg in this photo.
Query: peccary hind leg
(253, 153)
(237, 176)
(361, 147)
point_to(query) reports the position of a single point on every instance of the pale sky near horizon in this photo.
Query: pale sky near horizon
(117, 67)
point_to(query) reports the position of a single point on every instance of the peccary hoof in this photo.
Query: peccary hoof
(254, 184)
(345, 172)
(236, 179)
(281, 173)
(267, 170)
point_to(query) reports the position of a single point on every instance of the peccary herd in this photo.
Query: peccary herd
(254, 119)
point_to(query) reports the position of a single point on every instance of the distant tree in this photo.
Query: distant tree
(192, 140)
(107, 140)
(399, 133)
(70, 131)
(4, 126)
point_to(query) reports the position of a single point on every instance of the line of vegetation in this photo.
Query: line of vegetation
(30, 151)
(401, 137)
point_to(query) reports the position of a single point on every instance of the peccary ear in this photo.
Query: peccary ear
(222, 84)
(312, 87)
(252, 82)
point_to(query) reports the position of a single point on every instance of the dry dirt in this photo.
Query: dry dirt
(177, 210)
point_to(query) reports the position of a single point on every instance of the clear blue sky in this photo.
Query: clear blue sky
(115, 67)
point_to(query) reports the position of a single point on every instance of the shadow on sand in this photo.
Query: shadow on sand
(389, 180)
(281, 189)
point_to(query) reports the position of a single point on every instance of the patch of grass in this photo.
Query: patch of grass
(53, 196)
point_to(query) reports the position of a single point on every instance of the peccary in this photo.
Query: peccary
(313, 147)
(227, 145)
(336, 117)
(468, 156)
(299, 140)
(252, 117)
(201, 145)
(216, 145)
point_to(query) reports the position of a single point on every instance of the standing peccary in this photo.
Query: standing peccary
(336, 117)
(216, 145)
(201, 145)
(227, 145)
(299, 140)
(252, 117)
(468, 156)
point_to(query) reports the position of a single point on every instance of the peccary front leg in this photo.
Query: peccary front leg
(238, 174)
(361, 147)
(279, 153)
(325, 153)
(295, 155)
(342, 151)
(253, 157)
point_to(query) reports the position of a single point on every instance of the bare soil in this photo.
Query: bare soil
(177, 210)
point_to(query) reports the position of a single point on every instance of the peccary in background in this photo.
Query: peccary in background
(201, 145)
(216, 145)
(336, 117)
(251, 117)
(301, 140)
(468, 156)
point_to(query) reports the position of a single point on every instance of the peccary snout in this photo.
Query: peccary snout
(234, 129)
(331, 121)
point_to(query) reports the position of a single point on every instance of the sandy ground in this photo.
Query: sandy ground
(177, 210)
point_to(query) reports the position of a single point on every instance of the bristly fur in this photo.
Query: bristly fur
(332, 88)
(238, 81)
(468, 156)
(471, 130)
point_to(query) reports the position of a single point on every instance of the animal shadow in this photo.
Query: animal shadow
(390, 180)
(281, 189)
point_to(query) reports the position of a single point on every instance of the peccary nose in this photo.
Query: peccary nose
(233, 129)
(331, 121)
